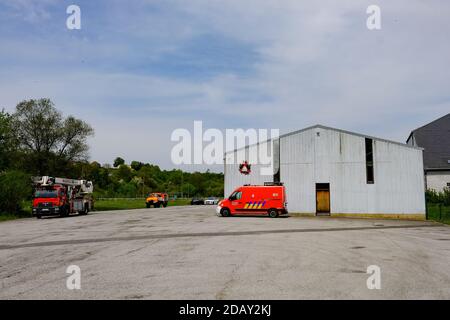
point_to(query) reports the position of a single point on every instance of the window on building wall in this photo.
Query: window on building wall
(370, 179)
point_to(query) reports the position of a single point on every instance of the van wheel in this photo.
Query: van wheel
(225, 212)
(273, 213)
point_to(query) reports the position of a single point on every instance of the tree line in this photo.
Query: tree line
(37, 139)
(138, 179)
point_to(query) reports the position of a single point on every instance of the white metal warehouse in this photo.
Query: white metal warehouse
(339, 173)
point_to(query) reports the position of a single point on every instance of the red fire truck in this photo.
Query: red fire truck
(269, 199)
(61, 196)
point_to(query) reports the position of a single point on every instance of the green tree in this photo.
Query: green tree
(118, 162)
(15, 186)
(188, 189)
(147, 175)
(198, 180)
(136, 165)
(124, 173)
(128, 189)
(7, 141)
(49, 140)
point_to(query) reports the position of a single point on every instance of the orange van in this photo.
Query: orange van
(269, 199)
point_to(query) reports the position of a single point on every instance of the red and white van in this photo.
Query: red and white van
(269, 199)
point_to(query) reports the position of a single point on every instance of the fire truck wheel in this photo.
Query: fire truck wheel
(225, 212)
(86, 209)
(273, 213)
(64, 212)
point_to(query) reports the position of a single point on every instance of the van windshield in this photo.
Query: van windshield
(236, 195)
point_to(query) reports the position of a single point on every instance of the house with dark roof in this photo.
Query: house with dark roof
(434, 138)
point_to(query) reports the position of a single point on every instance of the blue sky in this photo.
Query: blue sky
(139, 69)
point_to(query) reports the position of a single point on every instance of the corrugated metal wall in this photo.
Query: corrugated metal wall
(322, 155)
(234, 179)
(297, 171)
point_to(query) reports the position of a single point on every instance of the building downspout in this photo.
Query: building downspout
(425, 193)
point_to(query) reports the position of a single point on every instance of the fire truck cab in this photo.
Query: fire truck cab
(269, 199)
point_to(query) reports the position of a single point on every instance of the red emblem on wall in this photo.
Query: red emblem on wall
(245, 168)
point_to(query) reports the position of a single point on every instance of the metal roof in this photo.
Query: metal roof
(334, 129)
(434, 138)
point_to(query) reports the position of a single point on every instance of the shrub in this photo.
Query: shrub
(443, 197)
(446, 196)
(432, 196)
(15, 187)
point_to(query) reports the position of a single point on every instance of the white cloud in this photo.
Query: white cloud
(31, 11)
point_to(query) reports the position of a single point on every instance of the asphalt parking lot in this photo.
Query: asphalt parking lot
(190, 253)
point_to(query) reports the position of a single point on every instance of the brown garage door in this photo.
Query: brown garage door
(323, 198)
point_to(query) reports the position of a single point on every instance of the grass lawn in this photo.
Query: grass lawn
(6, 217)
(440, 214)
(25, 213)
(122, 204)
(99, 205)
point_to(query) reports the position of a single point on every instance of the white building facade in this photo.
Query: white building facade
(438, 180)
(328, 171)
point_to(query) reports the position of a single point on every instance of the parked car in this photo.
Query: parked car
(212, 200)
(197, 201)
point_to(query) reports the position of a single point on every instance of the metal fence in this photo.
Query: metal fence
(438, 212)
